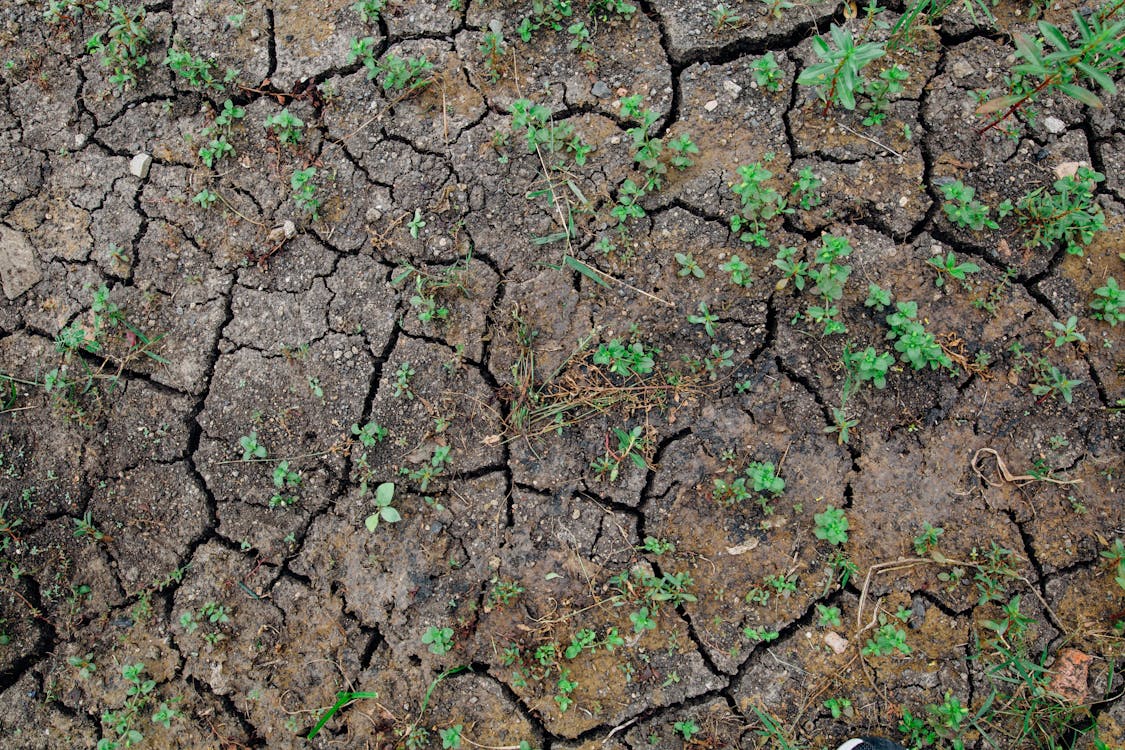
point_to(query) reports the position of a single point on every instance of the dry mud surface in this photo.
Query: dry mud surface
(203, 405)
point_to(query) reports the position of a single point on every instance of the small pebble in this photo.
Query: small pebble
(711, 105)
(139, 164)
(1054, 125)
(731, 87)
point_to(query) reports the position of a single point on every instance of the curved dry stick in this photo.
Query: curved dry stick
(1007, 476)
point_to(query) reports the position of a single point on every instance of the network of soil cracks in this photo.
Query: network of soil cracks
(318, 382)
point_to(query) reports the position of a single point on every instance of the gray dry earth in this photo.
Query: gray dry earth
(298, 338)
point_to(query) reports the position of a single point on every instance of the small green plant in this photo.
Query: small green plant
(543, 135)
(250, 448)
(642, 620)
(767, 73)
(723, 17)
(123, 49)
(451, 737)
(369, 434)
(878, 93)
(827, 616)
(565, 686)
(867, 366)
(84, 664)
(759, 203)
(839, 707)
(705, 318)
(739, 271)
(688, 265)
(794, 270)
(1066, 333)
(215, 151)
(284, 479)
(914, 344)
(1096, 56)
(624, 359)
(1054, 382)
(197, 71)
(369, 11)
(286, 126)
(493, 48)
(426, 473)
(502, 593)
(837, 77)
(84, 528)
(1067, 214)
(403, 376)
(888, 639)
(401, 76)
(304, 191)
(948, 266)
(205, 198)
(121, 724)
(687, 729)
(656, 546)
(928, 539)
(831, 525)
(963, 209)
(763, 478)
(1109, 303)
(384, 511)
(440, 640)
(804, 189)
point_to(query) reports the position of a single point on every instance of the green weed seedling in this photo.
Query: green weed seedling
(494, 50)
(688, 265)
(739, 271)
(426, 473)
(369, 12)
(286, 126)
(723, 17)
(831, 525)
(304, 191)
(1109, 302)
(123, 48)
(914, 344)
(205, 199)
(403, 376)
(384, 511)
(1066, 333)
(84, 664)
(343, 699)
(888, 639)
(402, 76)
(284, 479)
(759, 203)
(197, 71)
(767, 73)
(928, 539)
(250, 448)
(687, 729)
(624, 359)
(948, 266)
(440, 640)
(705, 318)
(122, 725)
(963, 209)
(878, 93)
(1067, 214)
(1096, 56)
(837, 78)
(370, 434)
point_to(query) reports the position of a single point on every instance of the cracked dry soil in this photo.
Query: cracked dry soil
(140, 526)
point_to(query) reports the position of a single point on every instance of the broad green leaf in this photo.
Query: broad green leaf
(1028, 49)
(585, 270)
(372, 522)
(1098, 77)
(384, 494)
(1053, 35)
(390, 515)
(1081, 94)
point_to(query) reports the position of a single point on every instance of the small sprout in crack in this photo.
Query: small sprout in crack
(384, 496)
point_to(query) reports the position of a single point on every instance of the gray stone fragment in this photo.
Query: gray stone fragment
(731, 87)
(600, 90)
(1054, 125)
(962, 69)
(19, 268)
(138, 166)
